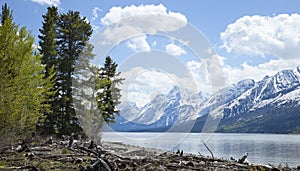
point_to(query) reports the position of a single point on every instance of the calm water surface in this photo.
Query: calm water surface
(261, 148)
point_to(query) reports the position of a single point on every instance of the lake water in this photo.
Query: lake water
(261, 148)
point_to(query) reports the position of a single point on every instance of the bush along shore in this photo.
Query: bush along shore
(69, 153)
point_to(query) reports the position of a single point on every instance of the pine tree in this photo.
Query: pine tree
(73, 33)
(23, 88)
(48, 40)
(48, 49)
(84, 93)
(63, 38)
(108, 94)
(6, 14)
(76, 88)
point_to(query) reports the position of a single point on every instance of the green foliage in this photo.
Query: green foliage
(23, 88)
(48, 39)
(64, 45)
(48, 49)
(73, 34)
(65, 151)
(62, 40)
(108, 94)
(6, 14)
(38, 90)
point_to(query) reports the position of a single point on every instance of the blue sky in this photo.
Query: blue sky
(249, 39)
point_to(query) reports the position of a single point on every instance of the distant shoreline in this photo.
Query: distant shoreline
(208, 162)
(224, 145)
(108, 131)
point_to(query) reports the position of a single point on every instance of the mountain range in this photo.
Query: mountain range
(271, 105)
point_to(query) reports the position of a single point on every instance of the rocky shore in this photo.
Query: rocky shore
(71, 154)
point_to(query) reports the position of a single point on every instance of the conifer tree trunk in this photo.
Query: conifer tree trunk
(73, 34)
(48, 49)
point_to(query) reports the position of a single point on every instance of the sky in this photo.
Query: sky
(196, 45)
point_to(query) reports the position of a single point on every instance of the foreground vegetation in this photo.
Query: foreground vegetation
(72, 154)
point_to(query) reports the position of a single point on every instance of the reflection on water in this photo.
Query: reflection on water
(262, 148)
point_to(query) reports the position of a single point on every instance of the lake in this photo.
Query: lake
(261, 148)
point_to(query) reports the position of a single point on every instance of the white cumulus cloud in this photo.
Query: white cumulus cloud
(175, 50)
(139, 44)
(277, 36)
(142, 85)
(95, 16)
(208, 73)
(47, 2)
(95, 13)
(234, 74)
(200, 75)
(117, 14)
(203, 75)
(131, 21)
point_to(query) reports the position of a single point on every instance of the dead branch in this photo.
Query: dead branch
(212, 155)
(100, 163)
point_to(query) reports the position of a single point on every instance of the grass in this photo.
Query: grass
(65, 151)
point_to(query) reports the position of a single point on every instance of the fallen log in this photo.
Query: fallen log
(87, 150)
(100, 163)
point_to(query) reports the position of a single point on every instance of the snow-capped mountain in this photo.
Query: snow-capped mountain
(240, 103)
(159, 107)
(264, 92)
(259, 106)
(177, 106)
(129, 112)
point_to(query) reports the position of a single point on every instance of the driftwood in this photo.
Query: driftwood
(87, 150)
(212, 155)
(181, 153)
(49, 141)
(31, 168)
(243, 159)
(100, 163)
(87, 156)
(71, 140)
(92, 145)
(22, 146)
(42, 149)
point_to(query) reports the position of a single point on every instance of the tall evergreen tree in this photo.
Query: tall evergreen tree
(84, 93)
(6, 14)
(73, 34)
(48, 49)
(48, 39)
(108, 94)
(23, 89)
(64, 45)
(62, 39)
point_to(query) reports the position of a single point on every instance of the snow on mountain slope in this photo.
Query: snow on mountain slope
(129, 110)
(181, 106)
(264, 92)
(282, 99)
(177, 106)
(153, 111)
(226, 96)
